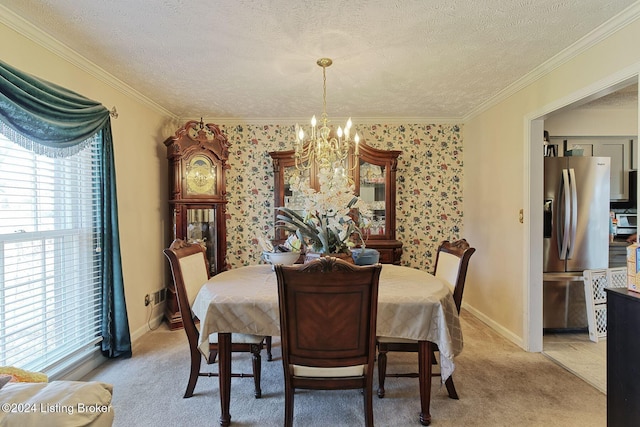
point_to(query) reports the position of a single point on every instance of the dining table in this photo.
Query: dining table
(412, 304)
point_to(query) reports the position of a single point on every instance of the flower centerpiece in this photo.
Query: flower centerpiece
(328, 221)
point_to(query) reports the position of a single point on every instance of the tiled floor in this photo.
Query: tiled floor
(576, 353)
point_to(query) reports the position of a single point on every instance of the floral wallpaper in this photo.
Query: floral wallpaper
(429, 186)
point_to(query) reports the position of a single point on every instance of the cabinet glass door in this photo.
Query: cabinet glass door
(201, 228)
(372, 191)
(292, 199)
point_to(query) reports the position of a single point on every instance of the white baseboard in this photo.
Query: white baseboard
(151, 324)
(495, 326)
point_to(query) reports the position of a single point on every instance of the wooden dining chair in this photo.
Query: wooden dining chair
(190, 271)
(452, 261)
(328, 311)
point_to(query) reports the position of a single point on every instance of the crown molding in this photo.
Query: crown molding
(35, 34)
(599, 34)
(356, 121)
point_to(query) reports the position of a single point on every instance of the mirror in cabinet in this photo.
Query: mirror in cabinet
(284, 169)
(375, 182)
(198, 155)
(373, 173)
(372, 191)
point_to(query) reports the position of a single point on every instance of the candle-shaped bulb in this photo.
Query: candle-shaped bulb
(348, 126)
(300, 135)
(313, 121)
(339, 132)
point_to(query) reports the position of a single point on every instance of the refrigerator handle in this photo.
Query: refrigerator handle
(563, 233)
(574, 212)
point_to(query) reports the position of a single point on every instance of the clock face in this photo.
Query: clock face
(201, 176)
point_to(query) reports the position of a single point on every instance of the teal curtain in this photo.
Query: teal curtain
(51, 120)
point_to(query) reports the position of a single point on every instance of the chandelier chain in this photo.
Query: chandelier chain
(324, 94)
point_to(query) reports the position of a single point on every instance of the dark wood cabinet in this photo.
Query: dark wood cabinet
(623, 354)
(373, 172)
(198, 155)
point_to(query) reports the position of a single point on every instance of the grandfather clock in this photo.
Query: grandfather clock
(198, 155)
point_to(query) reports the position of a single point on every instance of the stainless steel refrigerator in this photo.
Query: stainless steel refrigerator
(576, 234)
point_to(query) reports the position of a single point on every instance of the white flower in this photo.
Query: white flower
(325, 222)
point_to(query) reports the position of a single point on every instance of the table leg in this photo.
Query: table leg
(424, 372)
(224, 376)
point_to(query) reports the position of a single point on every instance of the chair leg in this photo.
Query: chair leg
(382, 371)
(194, 372)
(256, 361)
(368, 405)
(288, 405)
(451, 388)
(269, 355)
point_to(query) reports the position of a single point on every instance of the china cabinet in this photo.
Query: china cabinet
(373, 172)
(197, 155)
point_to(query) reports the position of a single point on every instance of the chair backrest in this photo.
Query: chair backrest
(452, 261)
(190, 271)
(328, 312)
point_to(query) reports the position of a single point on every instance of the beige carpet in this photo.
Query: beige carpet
(498, 383)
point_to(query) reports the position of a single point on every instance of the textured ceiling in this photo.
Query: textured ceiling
(248, 59)
(625, 98)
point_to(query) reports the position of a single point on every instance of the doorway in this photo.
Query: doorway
(573, 351)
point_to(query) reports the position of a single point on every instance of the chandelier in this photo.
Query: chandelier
(320, 146)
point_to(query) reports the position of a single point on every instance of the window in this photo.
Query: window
(50, 269)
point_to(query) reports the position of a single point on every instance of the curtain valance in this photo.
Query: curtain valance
(58, 119)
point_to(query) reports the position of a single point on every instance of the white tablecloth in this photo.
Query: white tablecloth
(411, 304)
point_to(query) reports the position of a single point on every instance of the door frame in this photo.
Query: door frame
(533, 188)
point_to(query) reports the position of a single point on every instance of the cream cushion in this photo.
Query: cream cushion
(340, 372)
(194, 274)
(447, 268)
(57, 404)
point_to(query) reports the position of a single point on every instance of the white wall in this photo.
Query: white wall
(594, 122)
(140, 157)
(496, 182)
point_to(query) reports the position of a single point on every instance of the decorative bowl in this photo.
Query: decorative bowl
(286, 258)
(365, 257)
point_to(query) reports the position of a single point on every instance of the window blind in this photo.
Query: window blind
(50, 270)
